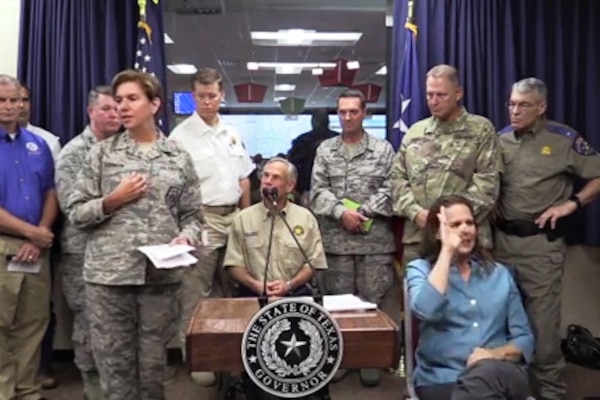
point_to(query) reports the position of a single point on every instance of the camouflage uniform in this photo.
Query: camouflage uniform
(72, 242)
(133, 307)
(538, 170)
(437, 159)
(360, 263)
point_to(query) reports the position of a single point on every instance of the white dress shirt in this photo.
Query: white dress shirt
(51, 139)
(219, 156)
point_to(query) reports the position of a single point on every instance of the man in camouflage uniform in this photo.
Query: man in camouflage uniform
(135, 189)
(355, 166)
(540, 158)
(451, 152)
(104, 122)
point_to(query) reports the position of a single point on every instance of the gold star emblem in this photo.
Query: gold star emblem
(298, 230)
(546, 150)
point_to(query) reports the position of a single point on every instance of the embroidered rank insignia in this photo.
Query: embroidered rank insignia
(546, 150)
(582, 147)
(298, 230)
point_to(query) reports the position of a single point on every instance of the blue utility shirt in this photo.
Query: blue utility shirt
(486, 312)
(26, 174)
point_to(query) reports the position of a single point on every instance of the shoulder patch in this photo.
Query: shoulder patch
(506, 129)
(580, 146)
(562, 130)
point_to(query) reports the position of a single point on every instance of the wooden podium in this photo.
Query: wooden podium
(214, 337)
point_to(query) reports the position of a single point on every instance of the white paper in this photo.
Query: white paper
(345, 302)
(166, 256)
(25, 267)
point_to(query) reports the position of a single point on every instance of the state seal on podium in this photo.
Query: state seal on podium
(292, 348)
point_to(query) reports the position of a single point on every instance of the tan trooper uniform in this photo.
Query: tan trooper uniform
(538, 169)
(249, 240)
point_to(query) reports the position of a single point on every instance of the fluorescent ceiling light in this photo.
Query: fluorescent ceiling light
(168, 39)
(182, 69)
(285, 87)
(303, 37)
(352, 65)
(278, 99)
(381, 71)
(288, 70)
(317, 71)
(288, 67)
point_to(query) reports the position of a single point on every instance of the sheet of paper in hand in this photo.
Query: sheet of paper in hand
(25, 267)
(166, 256)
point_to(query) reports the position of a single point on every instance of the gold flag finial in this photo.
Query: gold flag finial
(142, 6)
(410, 16)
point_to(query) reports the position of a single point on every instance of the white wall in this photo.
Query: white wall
(10, 18)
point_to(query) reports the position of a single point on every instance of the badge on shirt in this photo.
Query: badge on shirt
(582, 147)
(32, 147)
(298, 230)
(546, 150)
(172, 198)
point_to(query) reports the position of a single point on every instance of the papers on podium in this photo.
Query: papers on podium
(166, 256)
(345, 302)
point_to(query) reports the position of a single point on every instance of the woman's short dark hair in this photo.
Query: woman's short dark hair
(150, 85)
(430, 243)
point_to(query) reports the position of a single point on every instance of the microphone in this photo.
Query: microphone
(268, 194)
(262, 299)
(272, 194)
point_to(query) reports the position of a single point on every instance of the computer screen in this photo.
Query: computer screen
(183, 103)
(273, 134)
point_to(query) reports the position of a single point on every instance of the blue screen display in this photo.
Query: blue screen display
(183, 103)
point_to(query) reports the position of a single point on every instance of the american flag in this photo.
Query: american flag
(149, 53)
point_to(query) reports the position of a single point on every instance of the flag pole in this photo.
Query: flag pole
(400, 371)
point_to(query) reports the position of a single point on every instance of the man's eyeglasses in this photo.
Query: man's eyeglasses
(521, 106)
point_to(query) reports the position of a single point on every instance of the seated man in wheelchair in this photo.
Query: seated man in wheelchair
(475, 339)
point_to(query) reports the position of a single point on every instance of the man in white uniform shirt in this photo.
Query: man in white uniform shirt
(51, 139)
(223, 166)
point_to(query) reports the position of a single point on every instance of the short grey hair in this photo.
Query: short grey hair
(97, 91)
(444, 71)
(531, 85)
(292, 172)
(10, 80)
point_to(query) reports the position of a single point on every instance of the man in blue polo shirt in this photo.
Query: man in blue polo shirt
(28, 207)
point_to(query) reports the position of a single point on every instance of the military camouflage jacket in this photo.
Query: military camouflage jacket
(438, 159)
(364, 179)
(70, 161)
(170, 207)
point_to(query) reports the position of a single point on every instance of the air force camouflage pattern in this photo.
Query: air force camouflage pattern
(170, 207)
(363, 178)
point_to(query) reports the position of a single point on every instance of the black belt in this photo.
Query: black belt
(220, 210)
(525, 228)
(10, 235)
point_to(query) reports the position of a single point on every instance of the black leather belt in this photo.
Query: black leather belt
(525, 228)
(10, 235)
(220, 210)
